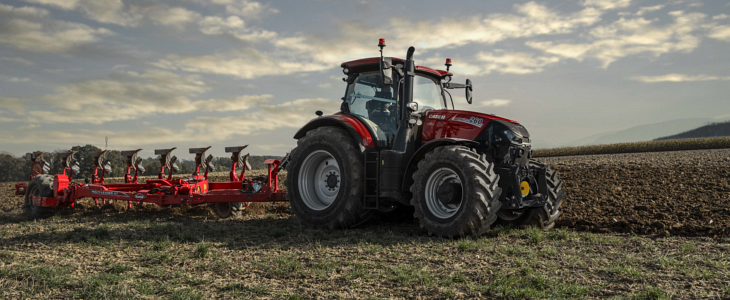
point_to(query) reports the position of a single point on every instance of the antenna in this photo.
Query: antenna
(106, 142)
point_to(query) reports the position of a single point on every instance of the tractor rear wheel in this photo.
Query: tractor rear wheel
(455, 192)
(540, 217)
(40, 185)
(325, 184)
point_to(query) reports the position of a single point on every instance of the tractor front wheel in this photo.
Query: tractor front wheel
(455, 192)
(42, 186)
(324, 184)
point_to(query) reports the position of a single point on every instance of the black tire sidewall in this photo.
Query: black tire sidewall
(347, 191)
(44, 184)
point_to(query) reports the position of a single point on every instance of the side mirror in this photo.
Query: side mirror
(413, 106)
(386, 72)
(468, 91)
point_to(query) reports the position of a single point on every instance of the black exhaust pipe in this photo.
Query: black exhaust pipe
(401, 136)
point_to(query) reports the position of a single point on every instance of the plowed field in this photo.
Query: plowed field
(685, 193)
(634, 226)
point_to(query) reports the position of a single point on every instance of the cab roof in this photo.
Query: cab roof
(371, 64)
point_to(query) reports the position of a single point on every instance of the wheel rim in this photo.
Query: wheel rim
(435, 181)
(319, 180)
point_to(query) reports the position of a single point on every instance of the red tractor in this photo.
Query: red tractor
(396, 143)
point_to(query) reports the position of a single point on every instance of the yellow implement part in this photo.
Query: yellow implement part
(525, 188)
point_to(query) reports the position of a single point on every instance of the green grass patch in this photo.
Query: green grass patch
(246, 291)
(202, 250)
(530, 286)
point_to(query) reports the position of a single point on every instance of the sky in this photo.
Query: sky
(192, 73)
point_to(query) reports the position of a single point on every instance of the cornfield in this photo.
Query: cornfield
(653, 146)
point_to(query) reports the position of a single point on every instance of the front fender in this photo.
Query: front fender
(425, 148)
(358, 131)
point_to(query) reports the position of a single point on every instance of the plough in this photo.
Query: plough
(46, 192)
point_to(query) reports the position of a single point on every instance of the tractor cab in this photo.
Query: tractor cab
(378, 105)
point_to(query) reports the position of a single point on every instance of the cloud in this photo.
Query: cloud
(291, 114)
(42, 33)
(14, 105)
(720, 33)
(14, 79)
(130, 14)
(243, 8)
(532, 19)
(170, 16)
(512, 62)
(245, 63)
(26, 11)
(308, 53)
(18, 60)
(675, 77)
(496, 102)
(131, 95)
(647, 9)
(627, 37)
(608, 4)
(234, 26)
(103, 11)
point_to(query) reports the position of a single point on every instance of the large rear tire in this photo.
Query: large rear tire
(324, 183)
(40, 185)
(455, 192)
(540, 217)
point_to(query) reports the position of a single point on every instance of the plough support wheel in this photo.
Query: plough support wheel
(228, 209)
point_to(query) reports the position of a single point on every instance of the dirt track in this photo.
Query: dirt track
(684, 193)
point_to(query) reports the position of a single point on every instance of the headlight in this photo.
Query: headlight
(513, 137)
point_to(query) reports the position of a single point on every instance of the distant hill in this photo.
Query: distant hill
(640, 133)
(709, 130)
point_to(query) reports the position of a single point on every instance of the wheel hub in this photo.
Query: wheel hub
(332, 180)
(444, 193)
(449, 193)
(319, 180)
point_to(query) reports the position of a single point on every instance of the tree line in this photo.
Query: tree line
(17, 169)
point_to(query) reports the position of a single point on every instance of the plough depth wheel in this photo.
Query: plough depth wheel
(227, 209)
(40, 185)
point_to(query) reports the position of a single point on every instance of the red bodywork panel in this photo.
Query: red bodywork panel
(20, 188)
(60, 182)
(455, 124)
(362, 131)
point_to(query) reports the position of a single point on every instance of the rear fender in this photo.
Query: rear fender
(358, 131)
(425, 148)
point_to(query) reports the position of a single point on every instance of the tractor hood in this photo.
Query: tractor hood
(464, 124)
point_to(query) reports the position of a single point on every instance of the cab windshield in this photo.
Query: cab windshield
(377, 103)
(374, 101)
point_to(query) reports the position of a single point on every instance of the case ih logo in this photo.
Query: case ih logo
(440, 117)
(478, 122)
(139, 196)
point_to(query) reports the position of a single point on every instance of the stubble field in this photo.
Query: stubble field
(636, 226)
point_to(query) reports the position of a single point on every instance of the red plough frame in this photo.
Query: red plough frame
(165, 190)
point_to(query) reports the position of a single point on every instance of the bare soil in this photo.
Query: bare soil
(684, 193)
